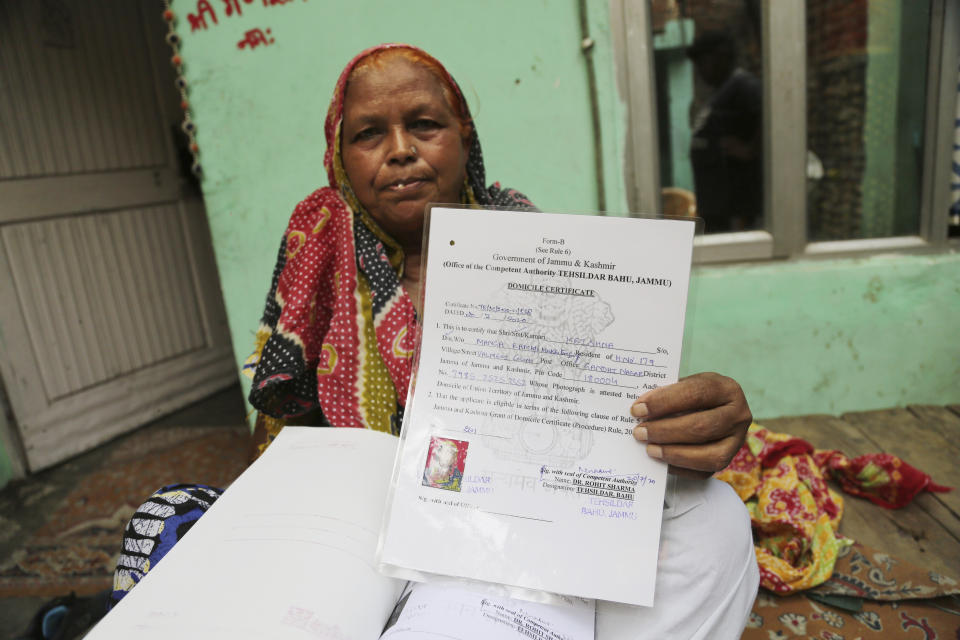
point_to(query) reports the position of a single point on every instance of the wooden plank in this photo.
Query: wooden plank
(948, 552)
(900, 432)
(941, 419)
(910, 534)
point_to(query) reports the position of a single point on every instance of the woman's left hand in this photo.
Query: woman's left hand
(696, 424)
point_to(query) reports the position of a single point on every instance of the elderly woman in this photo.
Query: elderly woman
(333, 347)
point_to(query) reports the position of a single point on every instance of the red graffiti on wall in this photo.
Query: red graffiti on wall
(254, 38)
(205, 16)
(198, 20)
(231, 6)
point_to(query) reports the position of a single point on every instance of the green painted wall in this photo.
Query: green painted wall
(831, 336)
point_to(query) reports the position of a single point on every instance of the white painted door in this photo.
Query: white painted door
(110, 307)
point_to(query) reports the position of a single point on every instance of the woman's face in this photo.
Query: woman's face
(401, 146)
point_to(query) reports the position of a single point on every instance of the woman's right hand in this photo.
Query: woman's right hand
(696, 425)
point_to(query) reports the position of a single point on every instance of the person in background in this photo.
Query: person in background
(726, 142)
(335, 342)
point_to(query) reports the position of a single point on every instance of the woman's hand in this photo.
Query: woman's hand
(696, 425)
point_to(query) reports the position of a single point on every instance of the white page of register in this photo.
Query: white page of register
(517, 464)
(286, 552)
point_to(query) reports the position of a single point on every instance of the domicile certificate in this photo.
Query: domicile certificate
(517, 463)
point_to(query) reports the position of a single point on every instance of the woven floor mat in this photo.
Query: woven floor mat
(870, 595)
(76, 548)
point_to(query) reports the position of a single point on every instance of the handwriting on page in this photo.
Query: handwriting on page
(447, 611)
(529, 356)
(522, 370)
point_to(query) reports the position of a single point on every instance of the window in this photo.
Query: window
(865, 117)
(854, 140)
(707, 63)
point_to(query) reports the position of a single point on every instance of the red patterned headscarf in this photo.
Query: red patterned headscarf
(338, 330)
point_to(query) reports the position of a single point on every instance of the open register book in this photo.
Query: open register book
(289, 552)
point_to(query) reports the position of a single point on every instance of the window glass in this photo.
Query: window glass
(707, 57)
(866, 95)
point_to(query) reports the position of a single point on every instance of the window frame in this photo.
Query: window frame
(785, 136)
